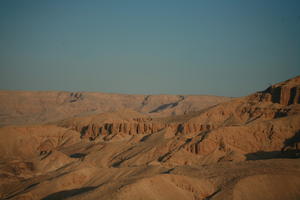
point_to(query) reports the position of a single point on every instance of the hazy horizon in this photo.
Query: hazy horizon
(148, 47)
(128, 93)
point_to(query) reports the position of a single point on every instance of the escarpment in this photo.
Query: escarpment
(134, 126)
(285, 93)
(128, 123)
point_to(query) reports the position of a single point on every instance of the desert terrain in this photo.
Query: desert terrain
(90, 146)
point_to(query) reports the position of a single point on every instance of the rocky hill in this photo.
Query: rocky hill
(244, 148)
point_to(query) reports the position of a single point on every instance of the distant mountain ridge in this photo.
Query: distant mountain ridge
(30, 107)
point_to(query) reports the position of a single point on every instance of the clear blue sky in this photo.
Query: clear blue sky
(229, 48)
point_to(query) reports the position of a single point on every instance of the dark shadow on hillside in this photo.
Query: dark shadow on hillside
(291, 149)
(83, 131)
(264, 155)
(67, 193)
(145, 138)
(78, 155)
(163, 107)
(292, 142)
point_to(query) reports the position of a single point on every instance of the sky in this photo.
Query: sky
(216, 47)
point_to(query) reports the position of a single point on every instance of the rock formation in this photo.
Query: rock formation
(245, 148)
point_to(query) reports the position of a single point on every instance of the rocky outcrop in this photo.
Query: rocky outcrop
(263, 136)
(285, 93)
(190, 128)
(74, 96)
(46, 147)
(128, 128)
(136, 127)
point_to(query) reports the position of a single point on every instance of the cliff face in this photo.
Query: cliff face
(285, 93)
(105, 130)
(132, 126)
